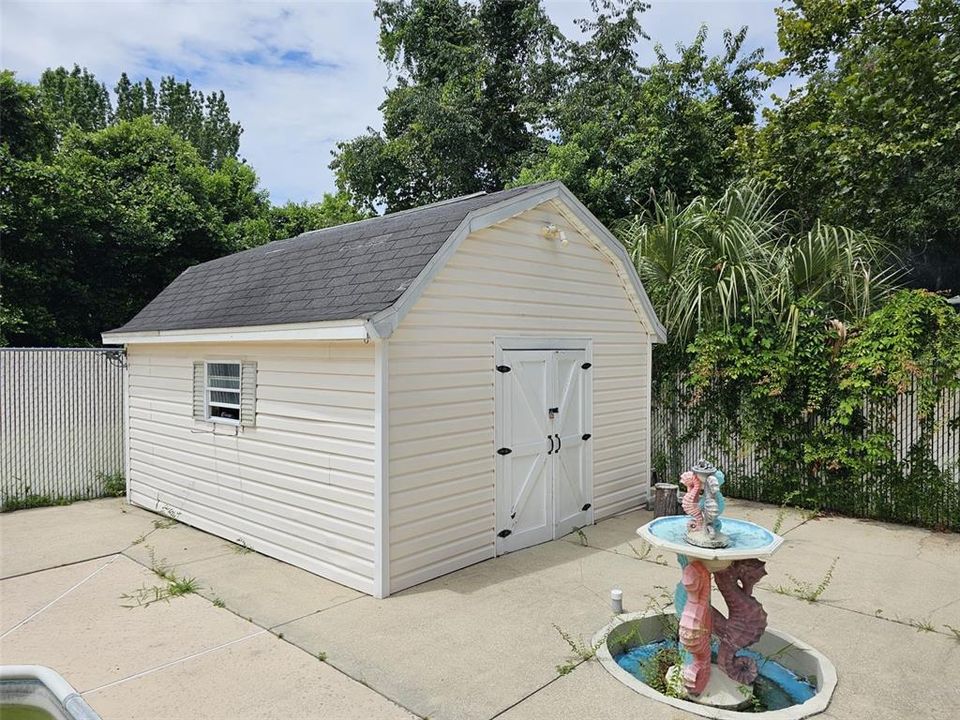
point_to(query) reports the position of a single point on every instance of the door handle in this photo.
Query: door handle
(559, 442)
(550, 451)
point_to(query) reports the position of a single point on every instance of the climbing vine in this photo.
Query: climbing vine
(839, 418)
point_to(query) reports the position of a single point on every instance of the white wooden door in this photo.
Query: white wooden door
(543, 477)
(572, 493)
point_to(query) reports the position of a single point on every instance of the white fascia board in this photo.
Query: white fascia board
(386, 321)
(334, 330)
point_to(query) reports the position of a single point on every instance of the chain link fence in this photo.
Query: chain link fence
(916, 488)
(61, 425)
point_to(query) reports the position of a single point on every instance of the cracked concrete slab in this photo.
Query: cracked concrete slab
(176, 545)
(91, 639)
(42, 538)
(260, 678)
(266, 591)
(26, 594)
(901, 572)
(472, 643)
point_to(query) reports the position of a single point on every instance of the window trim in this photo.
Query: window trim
(207, 390)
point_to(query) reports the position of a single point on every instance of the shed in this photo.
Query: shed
(390, 400)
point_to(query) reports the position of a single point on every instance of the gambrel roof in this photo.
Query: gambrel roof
(363, 271)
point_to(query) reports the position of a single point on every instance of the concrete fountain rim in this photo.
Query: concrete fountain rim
(827, 679)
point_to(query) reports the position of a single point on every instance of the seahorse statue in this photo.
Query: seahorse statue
(696, 627)
(746, 621)
(691, 500)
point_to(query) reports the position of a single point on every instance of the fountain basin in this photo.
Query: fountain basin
(747, 540)
(633, 629)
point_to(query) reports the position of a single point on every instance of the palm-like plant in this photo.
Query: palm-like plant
(709, 263)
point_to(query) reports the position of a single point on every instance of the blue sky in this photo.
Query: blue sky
(299, 76)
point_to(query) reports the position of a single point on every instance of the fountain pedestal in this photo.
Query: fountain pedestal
(734, 558)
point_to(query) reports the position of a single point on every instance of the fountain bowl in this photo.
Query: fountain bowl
(747, 540)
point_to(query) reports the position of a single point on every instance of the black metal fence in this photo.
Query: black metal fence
(916, 488)
(61, 425)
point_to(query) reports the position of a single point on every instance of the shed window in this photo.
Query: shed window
(222, 392)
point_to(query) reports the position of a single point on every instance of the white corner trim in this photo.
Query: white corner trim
(386, 321)
(334, 330)
(381, 471)
(126, 427)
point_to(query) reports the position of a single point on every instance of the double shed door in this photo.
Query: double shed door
(544, 476)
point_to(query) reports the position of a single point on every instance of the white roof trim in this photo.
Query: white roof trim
(385, 322)
(332, 330)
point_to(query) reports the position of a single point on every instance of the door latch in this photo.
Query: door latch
(553, 412)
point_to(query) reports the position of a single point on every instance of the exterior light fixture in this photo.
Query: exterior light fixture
(552, 232)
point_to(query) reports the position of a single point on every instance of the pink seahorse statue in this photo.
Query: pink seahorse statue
(691, 500)
(696, 625)
(746, 621)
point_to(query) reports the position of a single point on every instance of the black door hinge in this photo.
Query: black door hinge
(503, 368)
(586, 366)
(586, 436)
(585, 507)
(504, 533)
(504, 451)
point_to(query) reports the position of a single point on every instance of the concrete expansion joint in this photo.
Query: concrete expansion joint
(164, 666)
(59, 597)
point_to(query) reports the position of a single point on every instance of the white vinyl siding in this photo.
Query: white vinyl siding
(298, 485)
(506, 280)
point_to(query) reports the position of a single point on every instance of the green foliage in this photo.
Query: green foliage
(871, 139)
(714, 263)
(653, 672)
(96, 234)
(27, 128)
(114, 484)
(76, 99)
(622, 130)
(473, 82)
(581, 651)
(819, 409)
(806, 590)
(280, 222)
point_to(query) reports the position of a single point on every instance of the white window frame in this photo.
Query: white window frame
(207, 390)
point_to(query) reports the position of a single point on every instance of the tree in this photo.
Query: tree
(712, 263)
(872, 137)
(75, 98)
(473, 85)
(622, 130)
(280, 222)
(115, 217)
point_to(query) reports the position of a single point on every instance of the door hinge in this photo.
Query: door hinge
(504, 533)
(586, 436)
(585, 507)
(586, 366)
(503, 368)
(504, 451)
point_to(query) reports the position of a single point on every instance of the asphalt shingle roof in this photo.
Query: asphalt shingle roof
(345, 272)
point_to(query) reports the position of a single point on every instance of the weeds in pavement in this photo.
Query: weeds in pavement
(807, 590)
(581, 651)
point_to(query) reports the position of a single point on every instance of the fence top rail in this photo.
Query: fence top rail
(58, 349)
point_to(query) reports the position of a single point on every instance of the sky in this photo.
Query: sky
(299, 76)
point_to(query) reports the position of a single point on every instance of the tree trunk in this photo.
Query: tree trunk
(665, 500)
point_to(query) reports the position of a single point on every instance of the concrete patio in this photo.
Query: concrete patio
(262, 639)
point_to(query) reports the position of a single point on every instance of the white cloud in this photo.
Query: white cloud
(293, 113)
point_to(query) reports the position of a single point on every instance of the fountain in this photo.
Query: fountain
(724, 660)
